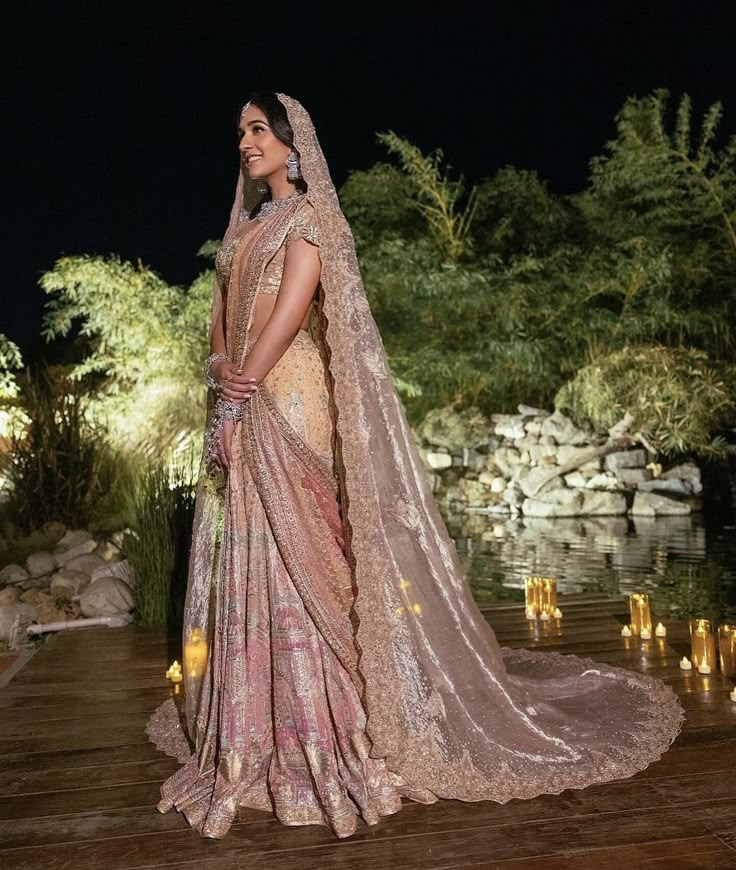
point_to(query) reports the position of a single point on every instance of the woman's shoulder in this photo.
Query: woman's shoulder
(304, 224)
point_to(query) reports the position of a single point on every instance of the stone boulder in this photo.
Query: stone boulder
(121, 570)
(688, 472)
(75, 542)
(88, 563)
(40, 563)
(626, 459)
(438, 461)
(106, 596)
(69, 581)
(9, 595)
(604, 480)
(13, 574)
(8, 615)
(633, 476)
(671, 486)
(649, 504)
(574, 502)
(563, 430)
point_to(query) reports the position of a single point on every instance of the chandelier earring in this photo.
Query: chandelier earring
(292, 166)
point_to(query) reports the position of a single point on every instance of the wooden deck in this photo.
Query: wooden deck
(79, 780)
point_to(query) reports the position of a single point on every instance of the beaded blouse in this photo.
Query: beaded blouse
(303, 227)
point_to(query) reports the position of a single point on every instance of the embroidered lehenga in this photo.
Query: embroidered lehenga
(335, 661)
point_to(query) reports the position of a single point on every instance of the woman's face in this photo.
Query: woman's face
(263, 155)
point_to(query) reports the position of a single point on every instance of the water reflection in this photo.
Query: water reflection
(688, 563)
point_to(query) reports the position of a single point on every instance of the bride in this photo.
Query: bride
(334, 659)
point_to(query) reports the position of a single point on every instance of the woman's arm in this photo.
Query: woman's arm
(299, 282)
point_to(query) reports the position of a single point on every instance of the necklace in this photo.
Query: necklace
(272, 205)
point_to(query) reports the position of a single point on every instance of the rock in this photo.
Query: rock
(513, 496)
(9, 595)
(591, 467)
(601, 503)
(40, 563)
(649, 504)
(506, 459)
(54, 529)
(106, 596)
(509, 426)
(626, 459)
(107, 551)
(438, 461)
(86, 562)
(687, 471)
(574, 502)
(633, 476)
(446, 427)
(526, 443)
(533, 427)
(70, 581)
(539, 479)
(576, 479)
(498, 484)
(607, 480)
(8, 615)
(118, 537)
(563, 430)
(528, 411)
(50, 613)
(13, 574)
(566, 453)
(673, 486)
(74, 543)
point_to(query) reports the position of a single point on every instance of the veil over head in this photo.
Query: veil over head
(450, 710)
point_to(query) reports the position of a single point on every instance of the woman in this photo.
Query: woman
(335, 661)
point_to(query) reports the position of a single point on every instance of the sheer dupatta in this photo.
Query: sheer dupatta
(448, 709)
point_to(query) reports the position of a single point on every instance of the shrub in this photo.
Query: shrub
(676, 397)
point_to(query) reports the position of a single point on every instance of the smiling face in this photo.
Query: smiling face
(263, 154)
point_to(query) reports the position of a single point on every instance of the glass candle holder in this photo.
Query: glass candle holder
(727, 649)
(702, 643)
(641, 615)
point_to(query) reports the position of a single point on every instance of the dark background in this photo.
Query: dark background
(119, 118)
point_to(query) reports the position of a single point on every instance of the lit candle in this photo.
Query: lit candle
(685, 664)
(702, 643)
(732, 695)
(660, 630)
(626, 631)
(533, 593)
(727, 649)
(641, 616)
(549, 595)
(531, 613)
(195, 654)
(558, 613)
(174, 673)
(645, 634)
(703, 668)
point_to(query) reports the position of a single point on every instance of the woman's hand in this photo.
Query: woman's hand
(233, 386)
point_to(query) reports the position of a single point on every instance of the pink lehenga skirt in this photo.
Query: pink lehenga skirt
(280, 725)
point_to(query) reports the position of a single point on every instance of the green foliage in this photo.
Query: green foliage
(147, 340)
(60, 466)
(10, 362)
(435, 196)
(675, 396)
(159, 504)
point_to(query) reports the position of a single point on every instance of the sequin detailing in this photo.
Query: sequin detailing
(350, 665)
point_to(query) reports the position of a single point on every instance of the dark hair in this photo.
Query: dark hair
(278, 120)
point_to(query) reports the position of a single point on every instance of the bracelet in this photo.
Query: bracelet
(208, 379)
(229, 410)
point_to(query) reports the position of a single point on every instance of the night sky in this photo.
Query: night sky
(119, 118)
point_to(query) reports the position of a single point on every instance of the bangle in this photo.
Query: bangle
(208, 379)
(229, 410)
